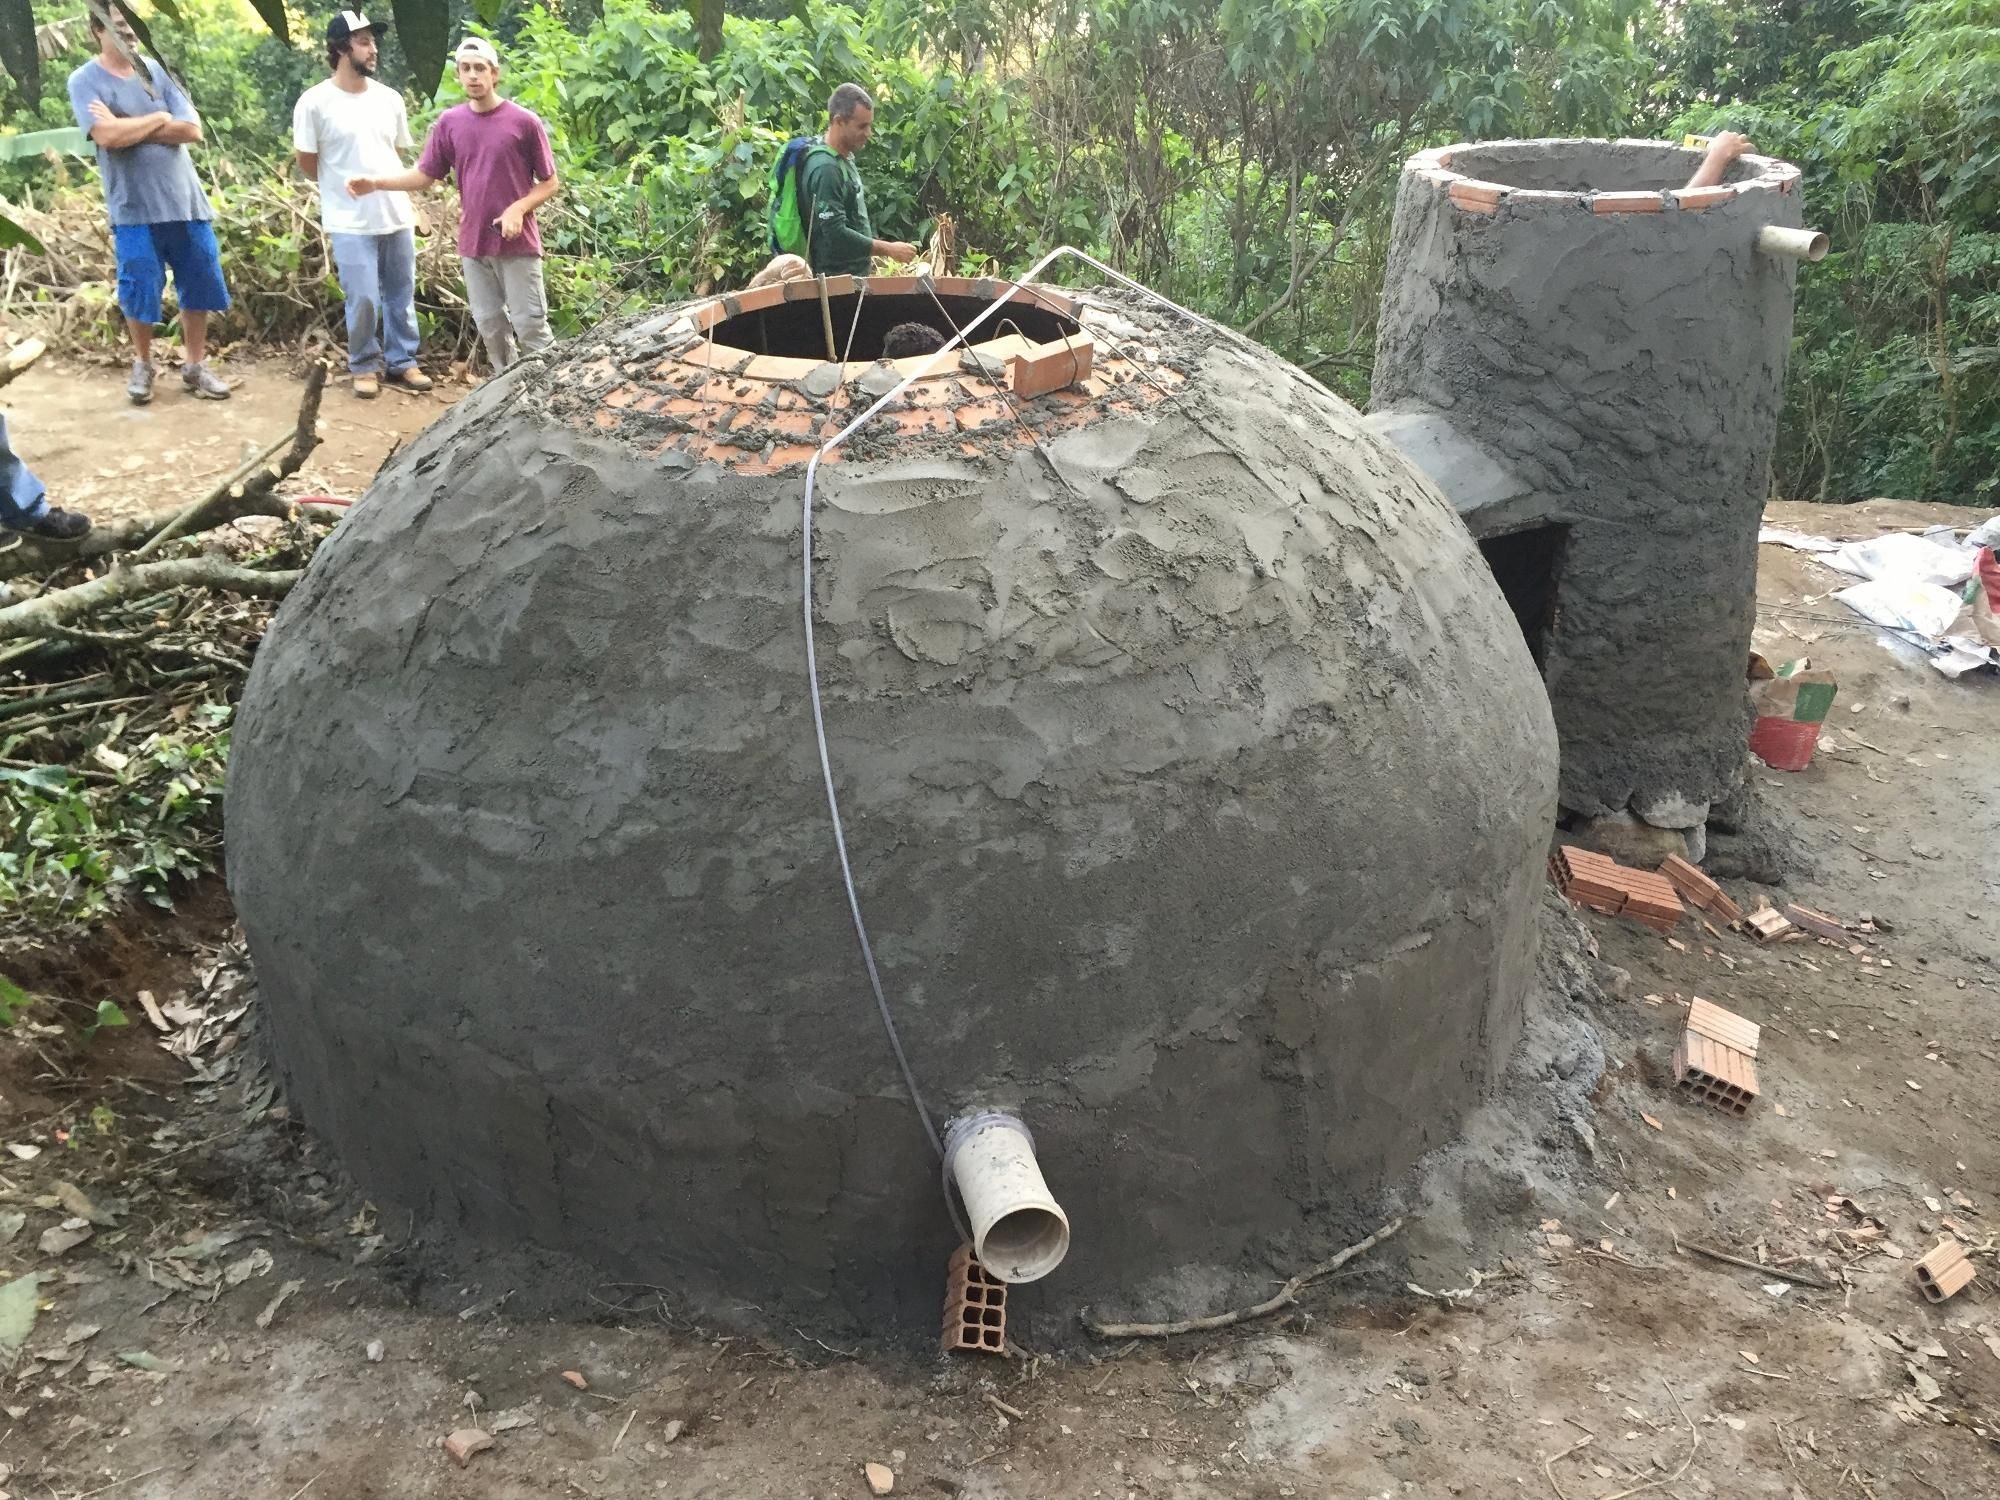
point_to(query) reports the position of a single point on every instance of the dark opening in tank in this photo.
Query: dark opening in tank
(1527, 565)
(1586, 166)
(797, 329)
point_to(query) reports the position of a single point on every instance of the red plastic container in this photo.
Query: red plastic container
(1784, 744)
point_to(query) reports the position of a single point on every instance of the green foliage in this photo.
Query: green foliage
(72, 848)
(1239, 155)
(13, 1001)
(1892, 107)
(107, 1014)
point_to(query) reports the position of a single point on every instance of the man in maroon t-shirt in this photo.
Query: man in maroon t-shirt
(506, 171)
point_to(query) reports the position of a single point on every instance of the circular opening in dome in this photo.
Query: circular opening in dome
(1024, 1245)
(796, 329)
(1587, 166)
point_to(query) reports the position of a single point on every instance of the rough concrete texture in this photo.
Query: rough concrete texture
(1197, 780)
(1623, 373)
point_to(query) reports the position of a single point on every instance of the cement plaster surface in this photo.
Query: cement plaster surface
(1198, 790)
(1628, 370)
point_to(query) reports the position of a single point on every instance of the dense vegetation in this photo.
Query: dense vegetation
(1239, 155)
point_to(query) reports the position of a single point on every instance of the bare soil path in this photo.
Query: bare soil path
(1563, 1348)
(100, 454)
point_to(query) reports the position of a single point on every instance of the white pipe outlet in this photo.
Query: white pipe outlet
(1792, 244)
(1019, 1232)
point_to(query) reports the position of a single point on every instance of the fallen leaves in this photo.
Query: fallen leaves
(285, 1294)
(17, 1314)
(1651, 1121)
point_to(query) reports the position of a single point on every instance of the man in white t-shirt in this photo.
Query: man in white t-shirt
(352, 126)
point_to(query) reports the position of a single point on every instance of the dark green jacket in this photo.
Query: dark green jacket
(839, 239)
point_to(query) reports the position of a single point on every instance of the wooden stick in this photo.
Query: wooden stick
(35, 616)
(216, 508)
(826, 318)
(1798, 1278)
(304, 438)
(1285, 1296)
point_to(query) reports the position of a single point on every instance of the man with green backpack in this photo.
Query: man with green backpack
(818, 209)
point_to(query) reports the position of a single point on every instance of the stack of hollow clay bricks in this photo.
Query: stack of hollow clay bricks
(1715, 1062)
(1602, 884)
(1699, 891)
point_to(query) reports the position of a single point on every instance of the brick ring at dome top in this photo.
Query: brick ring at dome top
(1469, 173)
(717, 396)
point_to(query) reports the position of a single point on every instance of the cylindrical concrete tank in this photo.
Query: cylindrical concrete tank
(1590, 359)
(1197, 781)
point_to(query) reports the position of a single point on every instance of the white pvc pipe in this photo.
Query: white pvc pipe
(1019, 1232)
(1792, 244)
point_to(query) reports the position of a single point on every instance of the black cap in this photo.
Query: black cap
(346, 23)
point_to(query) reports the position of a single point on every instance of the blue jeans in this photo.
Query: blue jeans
(378, 277)
(22, 497)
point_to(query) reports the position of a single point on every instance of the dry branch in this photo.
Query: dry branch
(246, 492)
(305, 438)
(1285, 1296)
(44, 616)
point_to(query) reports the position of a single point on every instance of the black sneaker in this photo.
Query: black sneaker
(56, 524)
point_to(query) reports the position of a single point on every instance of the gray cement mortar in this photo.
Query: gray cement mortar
(1625, 372)
(1198, 807)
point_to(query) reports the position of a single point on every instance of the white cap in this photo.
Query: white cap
(477, 49)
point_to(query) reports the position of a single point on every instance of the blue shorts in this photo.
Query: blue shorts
(145, 251)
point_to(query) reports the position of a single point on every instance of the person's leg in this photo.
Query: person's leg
(486, 295)
(196, 259)
(527, 302)
(142, 277)
(24, 504)
(22, 497)
(354, 262)
(398, 265)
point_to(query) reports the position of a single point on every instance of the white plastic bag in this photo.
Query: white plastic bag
(1923, 608)
(1902, 558)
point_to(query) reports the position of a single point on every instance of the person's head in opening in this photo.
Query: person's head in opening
(477, 63)
(850, 119)
(906, 339)
(354, 46)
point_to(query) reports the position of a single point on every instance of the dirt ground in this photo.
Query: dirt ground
(1563, 1345)
(102, 455)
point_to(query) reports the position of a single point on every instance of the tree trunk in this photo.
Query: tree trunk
(707, 15)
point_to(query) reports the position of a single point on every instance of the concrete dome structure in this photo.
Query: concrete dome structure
(1197, 779)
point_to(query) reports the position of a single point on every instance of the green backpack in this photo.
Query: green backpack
(790, 235)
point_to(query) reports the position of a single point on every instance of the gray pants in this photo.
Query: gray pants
(508, 303)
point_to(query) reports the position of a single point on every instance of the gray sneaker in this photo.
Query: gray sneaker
(203, 382)
(140, 386)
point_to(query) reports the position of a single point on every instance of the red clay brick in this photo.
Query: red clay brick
(1708, 1019)
(1699, 891)
(1818, 923)
(983, 413)
(1944, 1272)
(1694, 200)
(1477, 197)
(1768, 925)
(924, 419)
(1710, 1073)
(1057, 366)
(465, 1442)
(1627, 203)
(975, 1306)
